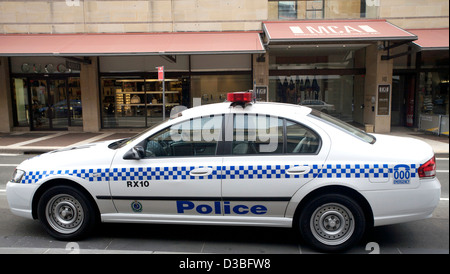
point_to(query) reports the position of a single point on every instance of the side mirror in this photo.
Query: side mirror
(136, 153)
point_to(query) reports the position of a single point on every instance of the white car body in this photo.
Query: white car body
(255, 190)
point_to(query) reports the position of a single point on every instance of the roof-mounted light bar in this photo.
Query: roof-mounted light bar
(241, 98)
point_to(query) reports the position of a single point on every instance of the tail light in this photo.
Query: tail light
(428, 169)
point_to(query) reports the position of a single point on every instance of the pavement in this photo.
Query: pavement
(36, 142)
(32, 142)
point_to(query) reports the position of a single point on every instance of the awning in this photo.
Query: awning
(130, 44)
(335, 31)
(431, 39)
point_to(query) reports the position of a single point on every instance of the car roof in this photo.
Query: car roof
(269, 108)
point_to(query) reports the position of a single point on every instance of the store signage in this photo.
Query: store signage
(161, 73)
(384, 99)
(261, 93)
(73, 65)
(72, 3)
(334, 30)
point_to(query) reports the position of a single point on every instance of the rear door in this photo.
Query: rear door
(269, 159)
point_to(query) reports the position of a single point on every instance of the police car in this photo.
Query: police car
(234, 163)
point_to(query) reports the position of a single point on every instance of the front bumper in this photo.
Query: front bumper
(20, 198)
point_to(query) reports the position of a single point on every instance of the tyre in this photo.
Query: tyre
(66, 213)
(332, 222)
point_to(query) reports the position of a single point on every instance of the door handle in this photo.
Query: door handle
(296, 170)
(201, 171)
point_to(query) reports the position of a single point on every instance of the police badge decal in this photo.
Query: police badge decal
(136, 206)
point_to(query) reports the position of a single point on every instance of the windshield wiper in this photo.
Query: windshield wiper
(117, 144)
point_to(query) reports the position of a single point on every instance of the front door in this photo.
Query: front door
(179, 174)
(50, 109)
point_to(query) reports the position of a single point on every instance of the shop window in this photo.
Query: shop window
(136, 102)
(21, 102)
(332, 94)
(328, 79)
(433, 93)
(208, 89)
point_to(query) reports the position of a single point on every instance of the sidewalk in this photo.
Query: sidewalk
(40, 142)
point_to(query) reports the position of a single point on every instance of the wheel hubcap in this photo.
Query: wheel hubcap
(64, 213)
(332, 224)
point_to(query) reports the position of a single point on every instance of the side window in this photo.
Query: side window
(300, 139)
(196, 137)
(257, 134)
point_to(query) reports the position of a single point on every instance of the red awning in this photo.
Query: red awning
(431, 39)
(130, 44)
(335, 31)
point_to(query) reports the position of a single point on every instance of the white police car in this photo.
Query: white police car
(240, 163)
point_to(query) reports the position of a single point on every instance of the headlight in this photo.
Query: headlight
(17, 176)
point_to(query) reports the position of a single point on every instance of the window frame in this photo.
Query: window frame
(219, 145)
(281, 15)
(228, 145)
(224, 147)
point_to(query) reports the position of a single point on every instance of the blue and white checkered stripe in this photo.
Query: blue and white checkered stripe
(160, 173)
(355, 171)
(362, 171)
(124, 174)
(221, 172)
(91, 175)
(265, 172)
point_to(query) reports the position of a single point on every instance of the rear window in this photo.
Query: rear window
(354, 131)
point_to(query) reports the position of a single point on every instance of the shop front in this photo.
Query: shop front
(335, 66)
(421, 82)
(321, 77)
(132, 94)
(46, 94)
(88, 82)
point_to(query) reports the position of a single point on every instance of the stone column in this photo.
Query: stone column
(6, 117)
(378, 72)
(261, 69)
(90, 98)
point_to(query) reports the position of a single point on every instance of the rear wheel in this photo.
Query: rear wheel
(332, 222)
(66, 213)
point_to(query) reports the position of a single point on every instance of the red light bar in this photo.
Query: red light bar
(239, 97)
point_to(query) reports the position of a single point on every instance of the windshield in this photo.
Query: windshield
(343, 126)
(123, 142)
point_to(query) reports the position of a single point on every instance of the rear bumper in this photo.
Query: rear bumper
(405, 205)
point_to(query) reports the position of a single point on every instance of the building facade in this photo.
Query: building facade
(89, 65)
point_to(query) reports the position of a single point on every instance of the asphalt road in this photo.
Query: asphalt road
(19, 235)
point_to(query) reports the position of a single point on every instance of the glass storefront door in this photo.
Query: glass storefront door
(47, 104)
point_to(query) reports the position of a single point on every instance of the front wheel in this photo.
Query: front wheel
(66, 213)
(332, 222)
